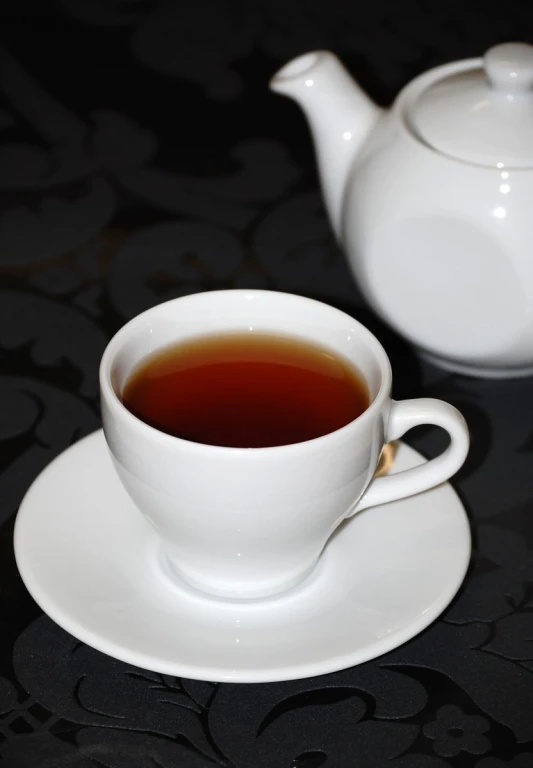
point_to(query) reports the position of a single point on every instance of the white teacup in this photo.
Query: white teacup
(252, 522)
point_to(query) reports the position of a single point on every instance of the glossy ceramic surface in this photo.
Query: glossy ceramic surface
(432, 201)
(253, 522)
(90, 560)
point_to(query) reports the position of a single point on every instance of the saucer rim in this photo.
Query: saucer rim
(242, 675)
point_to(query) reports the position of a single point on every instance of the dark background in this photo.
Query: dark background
(142, 157)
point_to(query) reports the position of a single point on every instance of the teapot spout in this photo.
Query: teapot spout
(340, 116)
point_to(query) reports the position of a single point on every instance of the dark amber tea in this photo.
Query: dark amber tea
(246, 390)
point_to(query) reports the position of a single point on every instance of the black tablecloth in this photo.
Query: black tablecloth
(145, 126)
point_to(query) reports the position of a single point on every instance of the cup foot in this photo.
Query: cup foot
(175, 579)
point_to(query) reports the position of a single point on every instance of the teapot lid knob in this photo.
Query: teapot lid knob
(509, 67)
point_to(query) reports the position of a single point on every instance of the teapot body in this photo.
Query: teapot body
(442, 248)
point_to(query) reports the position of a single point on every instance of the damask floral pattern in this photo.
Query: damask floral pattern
(146, 159)
(454, 731)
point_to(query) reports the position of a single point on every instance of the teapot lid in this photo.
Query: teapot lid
(482, 115)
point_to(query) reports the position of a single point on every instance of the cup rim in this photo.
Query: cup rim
(119, 410)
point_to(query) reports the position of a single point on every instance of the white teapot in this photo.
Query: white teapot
(432, 200)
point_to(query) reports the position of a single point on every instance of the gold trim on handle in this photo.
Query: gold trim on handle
(386, 459)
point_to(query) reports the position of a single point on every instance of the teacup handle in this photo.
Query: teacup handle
(404, 416)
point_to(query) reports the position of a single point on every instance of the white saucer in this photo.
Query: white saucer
(90, 561)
